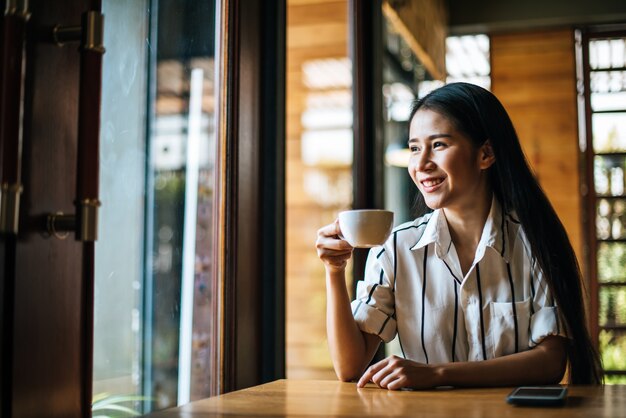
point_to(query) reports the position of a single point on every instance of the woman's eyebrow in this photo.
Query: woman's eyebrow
(431, 137)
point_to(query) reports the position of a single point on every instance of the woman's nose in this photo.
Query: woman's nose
(423, 161)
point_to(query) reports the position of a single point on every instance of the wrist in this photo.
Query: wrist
(335, 274)
(439, 375)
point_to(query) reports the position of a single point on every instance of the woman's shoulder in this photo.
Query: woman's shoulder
(516, 234)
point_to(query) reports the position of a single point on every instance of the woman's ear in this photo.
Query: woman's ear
(486, 155)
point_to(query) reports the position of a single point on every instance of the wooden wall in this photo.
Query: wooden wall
(316, 29)
(534, 75)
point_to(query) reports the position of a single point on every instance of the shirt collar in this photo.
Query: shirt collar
(493, 235)
(436, 232)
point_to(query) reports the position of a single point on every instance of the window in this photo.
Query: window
(604, 146)
(154, 306)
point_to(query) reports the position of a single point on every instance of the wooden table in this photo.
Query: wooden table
(290, 398)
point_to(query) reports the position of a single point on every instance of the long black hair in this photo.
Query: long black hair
(479, 115)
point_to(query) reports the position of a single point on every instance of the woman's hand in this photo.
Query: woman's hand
(395, 373)
(331, 249)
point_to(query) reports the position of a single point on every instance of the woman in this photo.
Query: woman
(485, 290)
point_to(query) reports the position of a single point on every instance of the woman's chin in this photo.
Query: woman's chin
(433, 203)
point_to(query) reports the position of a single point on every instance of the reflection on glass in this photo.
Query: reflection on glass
(612, 309)
(182, 144)
(153, 259)
(611, 262)
(609, 132)
(612, 347)
(118, 343)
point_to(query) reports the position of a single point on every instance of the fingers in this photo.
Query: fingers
(330, 230)
(328, 242)
(387, 374)
(371, 372)
(332, 250)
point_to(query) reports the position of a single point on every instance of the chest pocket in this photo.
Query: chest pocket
(506, 324)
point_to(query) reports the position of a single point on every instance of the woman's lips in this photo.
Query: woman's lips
(431, 184)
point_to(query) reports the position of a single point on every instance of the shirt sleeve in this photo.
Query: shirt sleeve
(545, 319)
(374, 306)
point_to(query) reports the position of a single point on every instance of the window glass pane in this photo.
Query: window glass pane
(612, 349)
(608, 82)
(611, 219)
(607, 53)
(609, 132)
(318, 170)
(181, 172)
(612, 262)
(467, 60)
(612, 306)
(615, 380)
(608, 101)
(154, 307)
(119, 250)
(609, 175)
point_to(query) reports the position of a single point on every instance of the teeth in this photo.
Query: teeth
(431, 183)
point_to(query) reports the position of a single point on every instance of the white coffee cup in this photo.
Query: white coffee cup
(366, 228)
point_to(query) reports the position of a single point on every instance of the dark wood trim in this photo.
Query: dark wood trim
(613, 154)
(366, 49)
(589, 198)
(615, 372)
(7, 296)
(595, 112)
(619, 328)
(366, 53)
(229, 160)
(612, 240)
(613, 284)
(253, 275)
(273, 160)
(607, 70)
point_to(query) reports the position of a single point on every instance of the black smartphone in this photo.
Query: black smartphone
(538, 395)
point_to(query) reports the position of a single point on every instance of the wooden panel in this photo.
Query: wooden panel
(533, 74)
(309, 13)
(320, 34)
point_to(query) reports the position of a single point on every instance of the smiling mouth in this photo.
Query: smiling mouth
(431, 185)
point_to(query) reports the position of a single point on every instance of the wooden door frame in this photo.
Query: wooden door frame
(365, 19)
(366, 50)
(250, 196)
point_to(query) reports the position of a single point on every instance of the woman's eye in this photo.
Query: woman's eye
(438, 144)
(414, 149)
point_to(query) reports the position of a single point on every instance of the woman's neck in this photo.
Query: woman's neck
(466, 226)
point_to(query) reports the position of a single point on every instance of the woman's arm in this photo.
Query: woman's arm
(350, 348)
(544, 364)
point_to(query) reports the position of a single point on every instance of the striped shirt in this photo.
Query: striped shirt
(414, 288)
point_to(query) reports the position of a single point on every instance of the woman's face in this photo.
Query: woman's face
(447, 168)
